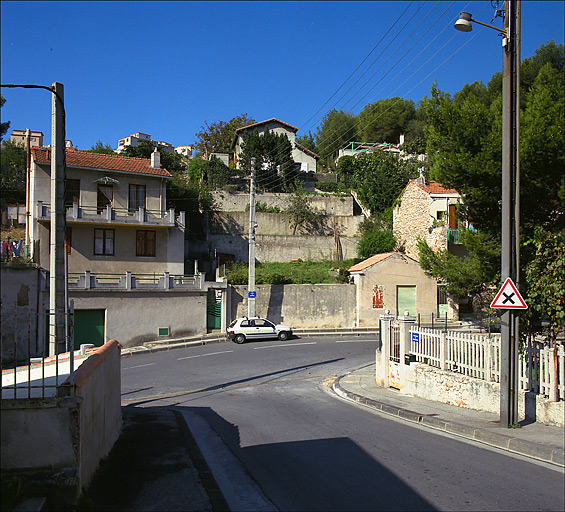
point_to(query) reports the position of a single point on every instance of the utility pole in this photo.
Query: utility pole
(28, 177)
(510, 259)
(251, 292)
(57, 283)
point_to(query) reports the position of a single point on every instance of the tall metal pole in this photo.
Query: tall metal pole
(251, 292)
(57, 283)
(510, 209)
(28, 177)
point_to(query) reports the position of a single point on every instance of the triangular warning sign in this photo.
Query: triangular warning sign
(508, 297)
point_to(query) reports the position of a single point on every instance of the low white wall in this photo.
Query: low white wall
(471, 393)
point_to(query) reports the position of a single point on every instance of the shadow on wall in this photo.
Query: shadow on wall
(274, 307)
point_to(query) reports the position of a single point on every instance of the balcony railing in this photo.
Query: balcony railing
(109, 215)
(454, 236)
(133, 281)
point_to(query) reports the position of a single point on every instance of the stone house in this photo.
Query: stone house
(305, 159)
(125, 250)
(395, 282)
(426, 209)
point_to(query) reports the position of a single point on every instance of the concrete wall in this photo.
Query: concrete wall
(299, 305)
(284, 248)
(394, 271)
(135, 317)
(98, 382)
(24, 299)
(52, 446)
(237, 202)
(237, 223)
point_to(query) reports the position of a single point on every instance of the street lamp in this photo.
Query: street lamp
(510, 258)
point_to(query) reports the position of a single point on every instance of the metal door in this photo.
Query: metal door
(214, 309)
(89, 327)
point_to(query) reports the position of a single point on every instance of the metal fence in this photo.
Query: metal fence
(27, 371)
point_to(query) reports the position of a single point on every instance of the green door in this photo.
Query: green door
(89, 327)
(214, 309)
(405, 300)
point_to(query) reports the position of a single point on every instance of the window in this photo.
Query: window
(105, 197)
(145, 243)
(72, 192)
(136, 197)
(104, 242)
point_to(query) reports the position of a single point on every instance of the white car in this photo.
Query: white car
(245, 328)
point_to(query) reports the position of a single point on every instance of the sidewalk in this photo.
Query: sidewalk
(535, 440)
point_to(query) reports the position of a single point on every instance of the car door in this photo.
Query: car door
(264, 329)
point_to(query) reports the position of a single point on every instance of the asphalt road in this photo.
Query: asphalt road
(307, 450)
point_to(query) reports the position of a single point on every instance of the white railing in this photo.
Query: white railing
(540, 369)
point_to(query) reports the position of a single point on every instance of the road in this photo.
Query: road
(271, 403)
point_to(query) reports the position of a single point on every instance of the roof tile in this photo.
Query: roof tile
(371, 261)
(99, 161)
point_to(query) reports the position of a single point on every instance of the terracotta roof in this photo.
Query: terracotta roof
(83, 159)
(369, 262)
(305, 149)
(433, 187)
(273, 119)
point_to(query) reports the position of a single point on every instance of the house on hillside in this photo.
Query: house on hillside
(135, 138)
(395, 282)
(125, 249)
(426, 209)
(305, 159)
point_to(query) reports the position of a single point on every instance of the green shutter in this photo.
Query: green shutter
(406, 300)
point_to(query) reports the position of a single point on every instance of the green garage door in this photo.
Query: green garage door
(89, 327)
(405, 300)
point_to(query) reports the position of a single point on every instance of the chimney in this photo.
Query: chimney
(156, 159)
(421, 178)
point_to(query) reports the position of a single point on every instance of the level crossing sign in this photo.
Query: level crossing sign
(508, 297)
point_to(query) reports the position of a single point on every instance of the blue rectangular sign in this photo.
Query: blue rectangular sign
(252, 295)
(416, 337)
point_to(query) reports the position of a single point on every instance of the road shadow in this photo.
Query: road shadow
(321, 474)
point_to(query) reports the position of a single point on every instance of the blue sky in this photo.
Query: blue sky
(164, 68)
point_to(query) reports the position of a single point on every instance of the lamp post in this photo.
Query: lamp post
(510, 258)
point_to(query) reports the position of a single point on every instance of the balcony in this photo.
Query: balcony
(128, 281)
(115, 216)
(454, 236)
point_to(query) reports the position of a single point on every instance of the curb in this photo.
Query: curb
(501, 441)
(157, 346)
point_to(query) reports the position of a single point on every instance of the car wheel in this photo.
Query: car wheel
(239, 339)
(283, 335)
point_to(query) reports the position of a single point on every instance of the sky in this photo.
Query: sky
(167, 68)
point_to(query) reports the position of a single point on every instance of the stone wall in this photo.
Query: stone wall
(237, 223)
(471, 393)
(412, 218)
(284, 248)
(238, 201)
(299, 305)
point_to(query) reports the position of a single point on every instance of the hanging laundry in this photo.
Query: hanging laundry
(17, 247)
(4, 248)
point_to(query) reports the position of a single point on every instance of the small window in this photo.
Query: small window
(244, 323)
(136, 198)
(145, 243)
(104, 242)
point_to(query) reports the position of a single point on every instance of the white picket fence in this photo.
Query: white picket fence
(478, 356)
